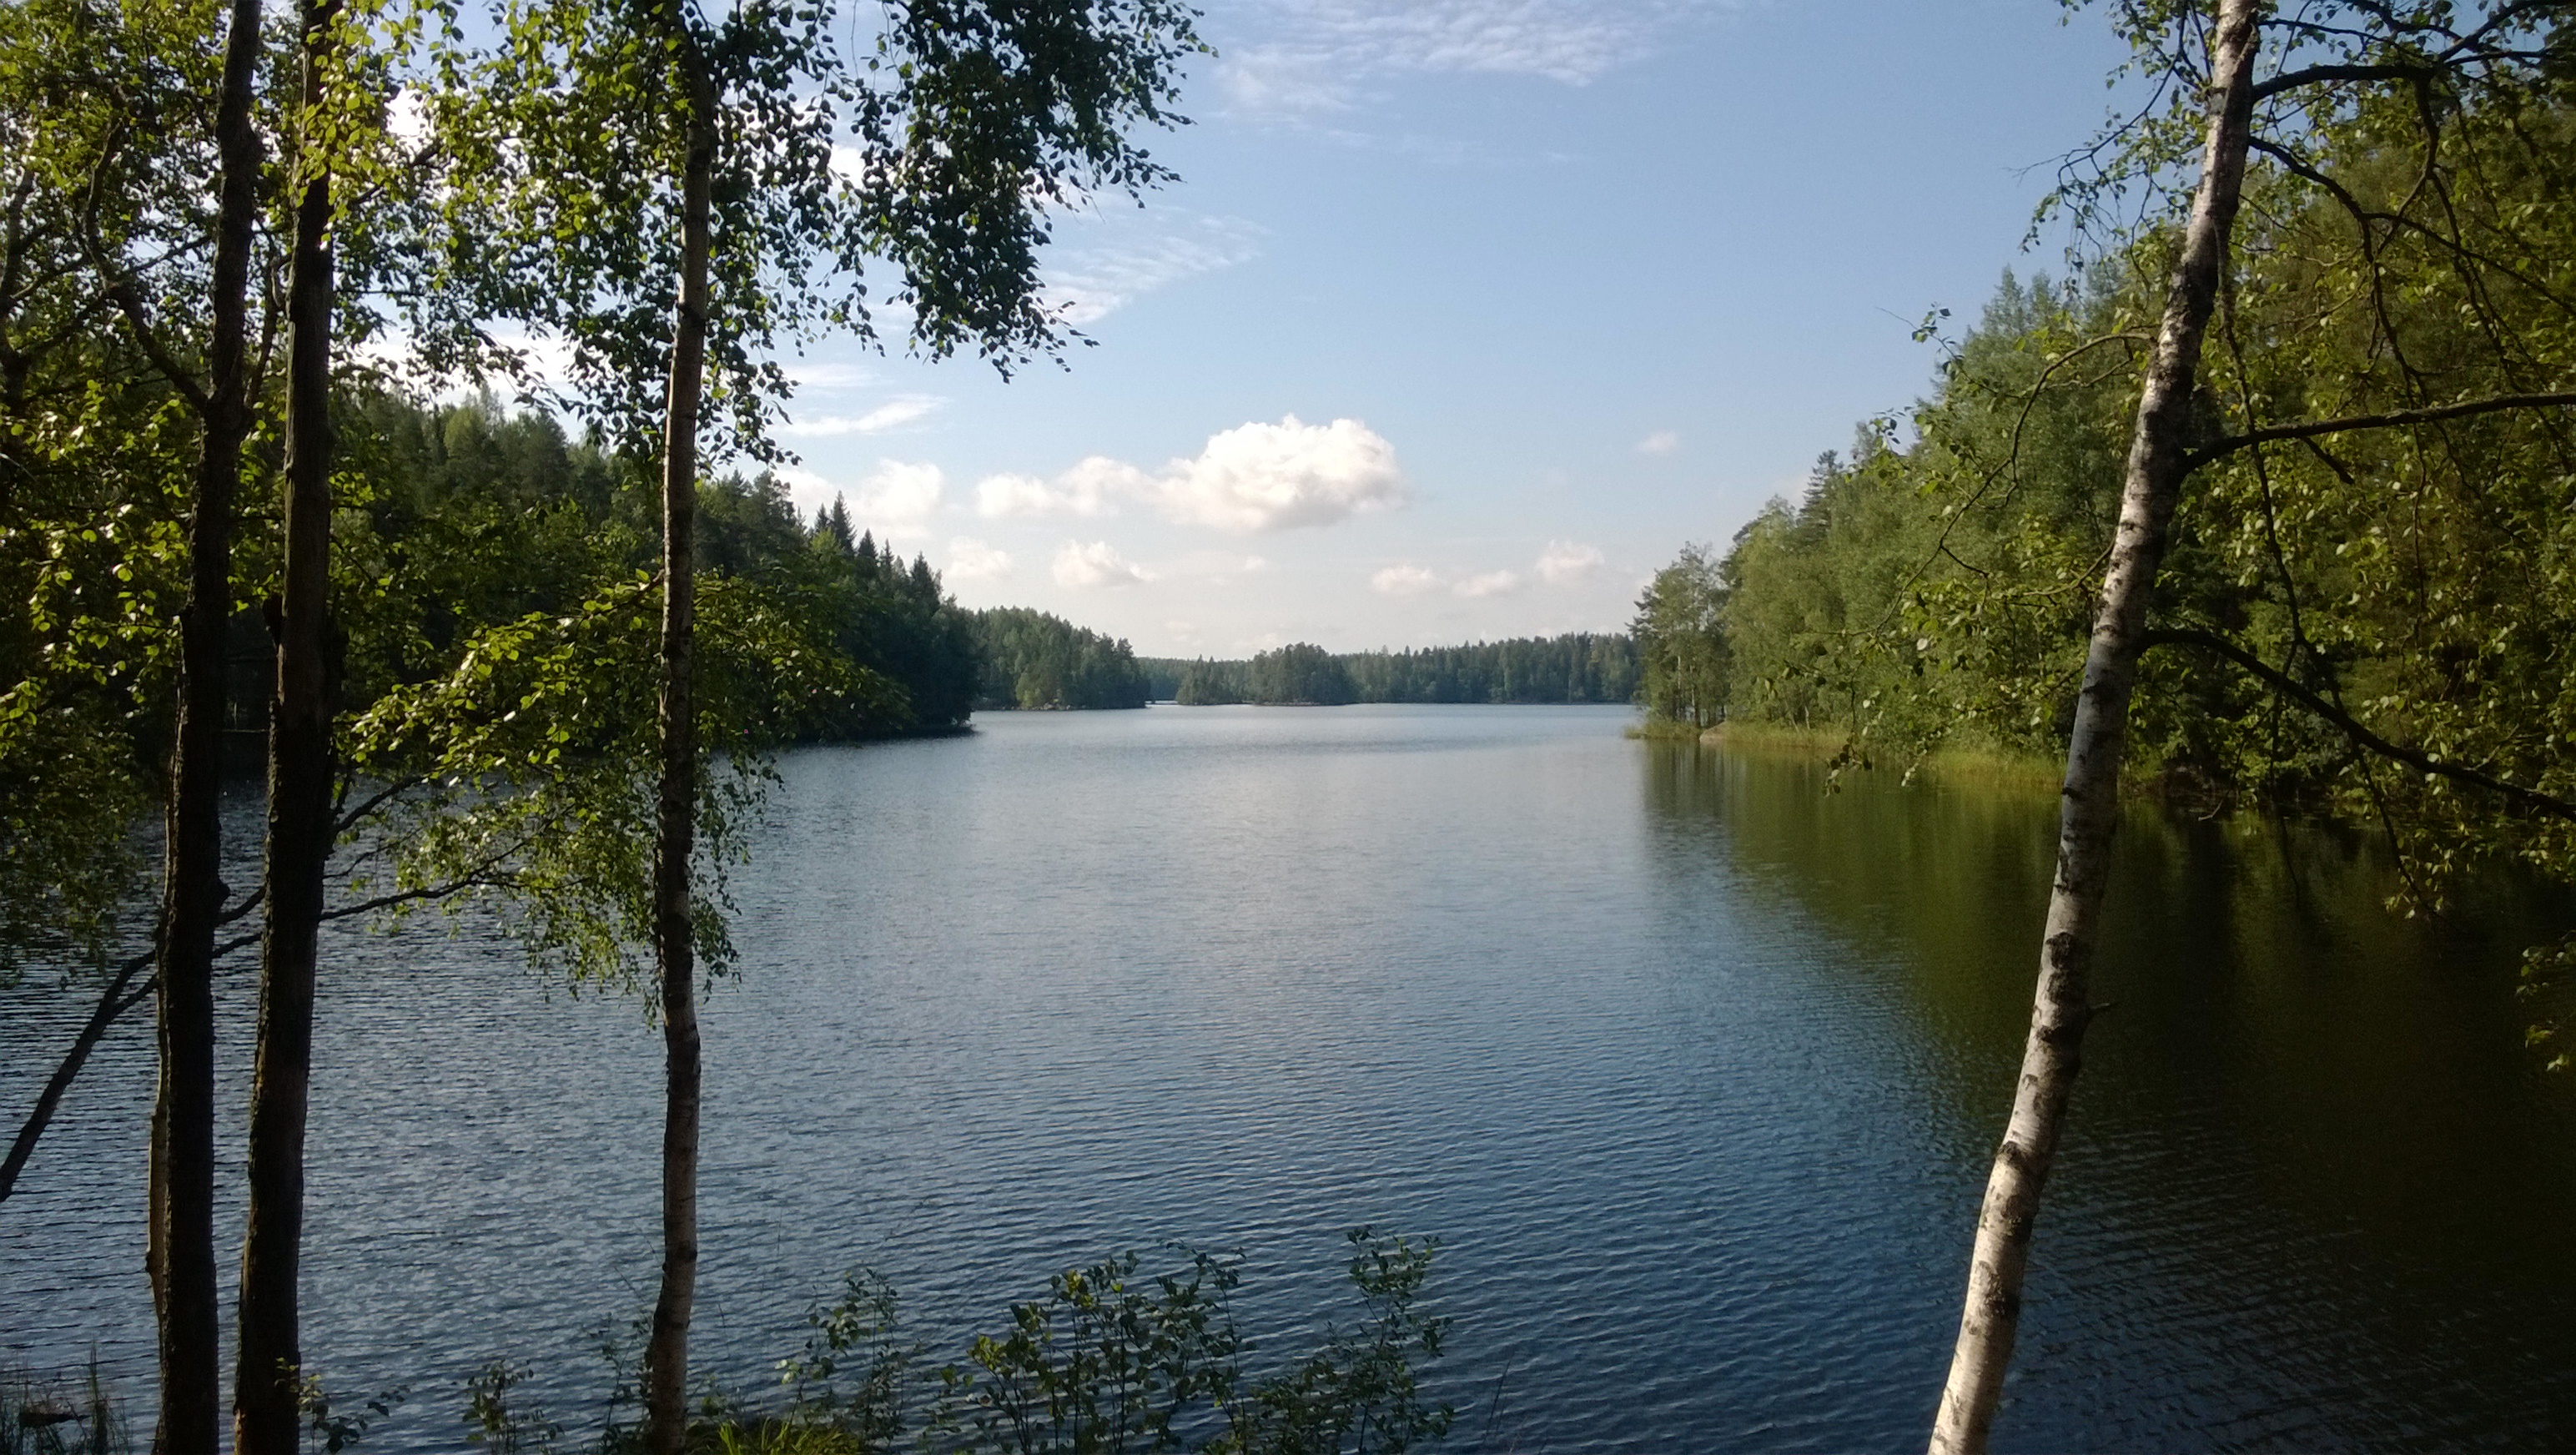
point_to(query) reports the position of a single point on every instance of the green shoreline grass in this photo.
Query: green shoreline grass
(1953, 766)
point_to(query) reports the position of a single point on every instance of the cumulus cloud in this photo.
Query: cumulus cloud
(1492, 583)
(1563, 563)
(1260, 477)
(972, 560)
(1404, 579)
(1097, 564)
(1661, 442)
(901, 496)
(1088, 488)
(895, 413)
(1252, 478)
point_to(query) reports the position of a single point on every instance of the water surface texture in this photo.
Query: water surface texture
(1694, 1068)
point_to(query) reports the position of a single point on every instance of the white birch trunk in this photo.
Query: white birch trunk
(1991, 1315)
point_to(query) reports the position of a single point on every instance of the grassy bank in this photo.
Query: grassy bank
(1957, 765)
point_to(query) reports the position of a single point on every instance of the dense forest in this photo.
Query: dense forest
(1930, 585)
(477, 515)
(1575, 667)
(1034, 659)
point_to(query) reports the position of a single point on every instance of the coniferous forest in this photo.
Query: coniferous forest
(1575, 667)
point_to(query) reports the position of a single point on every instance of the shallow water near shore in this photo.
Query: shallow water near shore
(1694, 1067)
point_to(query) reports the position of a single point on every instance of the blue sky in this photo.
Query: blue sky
(1467, 313)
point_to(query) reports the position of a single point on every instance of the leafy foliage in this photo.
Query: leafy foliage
(2375, 521)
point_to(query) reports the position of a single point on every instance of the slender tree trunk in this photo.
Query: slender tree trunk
(266, 1407)
(666, 1358)
(179, 1249)
(113, 1002)
(1991, 1314)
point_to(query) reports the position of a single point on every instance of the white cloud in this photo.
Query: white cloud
(896, 499)
(1661, 442)
(1492, 583)
(407, 119)
(1097, 564)
(807, 491)
(1254, 477)
(1563, 562)
(895, 413)
(972, 560)
(1259, 477)
(828, 375)
(1405, 579)
(1086, 489)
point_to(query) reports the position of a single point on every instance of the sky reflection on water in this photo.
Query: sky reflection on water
(1694, 1068)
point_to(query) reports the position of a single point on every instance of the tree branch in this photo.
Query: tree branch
(120, 290)
(2322, 75)
(353, 817)
(2422, 762)
(2434, 414)
(113, 1002)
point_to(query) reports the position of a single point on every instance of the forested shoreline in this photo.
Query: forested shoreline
(2266, 505)
(2269, 501)
(1575, 667)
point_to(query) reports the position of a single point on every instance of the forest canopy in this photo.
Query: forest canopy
(2368, 616)
(1575, 667)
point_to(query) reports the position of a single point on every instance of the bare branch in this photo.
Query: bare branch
(113, 1002)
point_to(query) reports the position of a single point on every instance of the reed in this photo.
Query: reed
(72, 1415)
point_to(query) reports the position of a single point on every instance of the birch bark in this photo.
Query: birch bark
(666, 1357)
(2159, 458)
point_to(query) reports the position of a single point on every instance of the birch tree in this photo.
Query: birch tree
(2247, 98)
(616, 155)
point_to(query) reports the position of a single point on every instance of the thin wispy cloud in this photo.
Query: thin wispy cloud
(1405, 579)
(1491, 583)
(1309, 57)
(1099, 275)
(1661, 442)
(894, 414)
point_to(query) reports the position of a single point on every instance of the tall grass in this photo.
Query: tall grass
(60, 1416)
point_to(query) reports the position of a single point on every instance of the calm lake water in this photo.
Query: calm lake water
(1694, 1068)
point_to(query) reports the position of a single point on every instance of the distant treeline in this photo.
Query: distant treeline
(1035, 660)
(1575, 667)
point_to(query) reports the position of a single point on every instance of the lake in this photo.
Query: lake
(1694, 1067)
